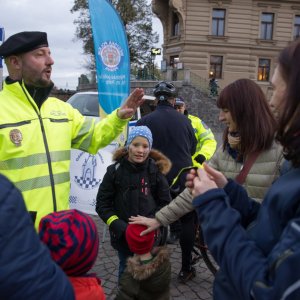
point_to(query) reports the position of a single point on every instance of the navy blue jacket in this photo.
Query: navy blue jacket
(173, 135)
(27, 270)
(256, 246)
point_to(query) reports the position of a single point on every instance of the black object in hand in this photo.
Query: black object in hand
(200, 159)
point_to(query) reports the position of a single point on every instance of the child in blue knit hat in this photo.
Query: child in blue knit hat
(142, 131)
(134, 185)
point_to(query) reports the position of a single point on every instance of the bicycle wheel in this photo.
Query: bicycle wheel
(160, 237)
(207, 258)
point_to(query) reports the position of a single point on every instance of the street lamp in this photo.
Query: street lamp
(154, 52)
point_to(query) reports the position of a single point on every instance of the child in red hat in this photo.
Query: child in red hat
(72, 239)
(148, 272)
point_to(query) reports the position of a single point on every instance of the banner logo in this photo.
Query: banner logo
(88, 179)
(111, 54)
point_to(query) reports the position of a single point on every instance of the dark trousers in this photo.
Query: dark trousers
(122, 263)
(187, 239)
(175, 227)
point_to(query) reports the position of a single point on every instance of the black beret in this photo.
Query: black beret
(23, 42)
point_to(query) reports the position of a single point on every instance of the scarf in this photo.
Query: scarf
(234, 140)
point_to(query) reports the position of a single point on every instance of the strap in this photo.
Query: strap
(251, 158)
(175, 180)
(153, 171)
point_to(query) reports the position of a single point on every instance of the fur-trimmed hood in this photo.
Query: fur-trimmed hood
(141, 271)
(162, 162)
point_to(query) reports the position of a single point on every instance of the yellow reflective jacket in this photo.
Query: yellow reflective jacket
(35, 145)
(206, 143)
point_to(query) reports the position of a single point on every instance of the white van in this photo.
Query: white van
(87, 170)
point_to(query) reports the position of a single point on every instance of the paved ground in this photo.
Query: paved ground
(106, 268)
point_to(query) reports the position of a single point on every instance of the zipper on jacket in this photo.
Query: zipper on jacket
(14, 124)
(59, 120)
(47, 151)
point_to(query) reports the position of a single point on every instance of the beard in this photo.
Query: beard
(38, 82)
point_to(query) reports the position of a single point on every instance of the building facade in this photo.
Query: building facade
(227, 39)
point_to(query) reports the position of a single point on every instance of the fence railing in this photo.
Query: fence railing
(185, 75)
(200, 83)
(188, 77)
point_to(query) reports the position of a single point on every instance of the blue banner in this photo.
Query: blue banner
(111, 54)
(1, 41)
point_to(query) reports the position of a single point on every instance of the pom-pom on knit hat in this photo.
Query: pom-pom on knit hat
(72, 238)
(143, 131)
(136, 243)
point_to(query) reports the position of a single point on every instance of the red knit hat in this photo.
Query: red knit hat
(72, 238)
(136, 243)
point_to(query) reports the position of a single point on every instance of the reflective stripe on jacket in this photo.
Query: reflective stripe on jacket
(35, 145)
(206, 143)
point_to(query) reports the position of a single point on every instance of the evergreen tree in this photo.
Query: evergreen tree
(137, 19)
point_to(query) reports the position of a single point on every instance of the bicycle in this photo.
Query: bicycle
(200, 246)
(160, 236)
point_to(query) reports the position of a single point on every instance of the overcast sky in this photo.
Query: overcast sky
(54, 17)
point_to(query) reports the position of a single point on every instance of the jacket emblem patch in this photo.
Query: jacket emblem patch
(16, 137)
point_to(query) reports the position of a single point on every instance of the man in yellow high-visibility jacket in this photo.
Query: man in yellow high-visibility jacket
(206, 143)
(37, 131)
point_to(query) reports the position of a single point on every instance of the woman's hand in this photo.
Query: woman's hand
(215, 175)
(151, 223)
(202, 183)
(189, 183)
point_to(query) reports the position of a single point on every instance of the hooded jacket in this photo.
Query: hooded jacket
(130, 189)
(27, 270)
(146, 281)
(36, 142)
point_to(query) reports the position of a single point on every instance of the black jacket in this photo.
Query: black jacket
(132, 189)
(173, 135)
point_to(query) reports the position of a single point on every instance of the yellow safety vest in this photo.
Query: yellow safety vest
(206, 143)
(35, 145)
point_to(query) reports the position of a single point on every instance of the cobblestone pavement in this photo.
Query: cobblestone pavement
(106, 268)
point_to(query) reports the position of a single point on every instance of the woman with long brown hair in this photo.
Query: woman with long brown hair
(248, 140)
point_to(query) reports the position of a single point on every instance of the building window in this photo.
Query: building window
(175, 25)
(218, 22)
(174, 60)
(263, 73)
(297, 27)
(267, 23)
(216, 64)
